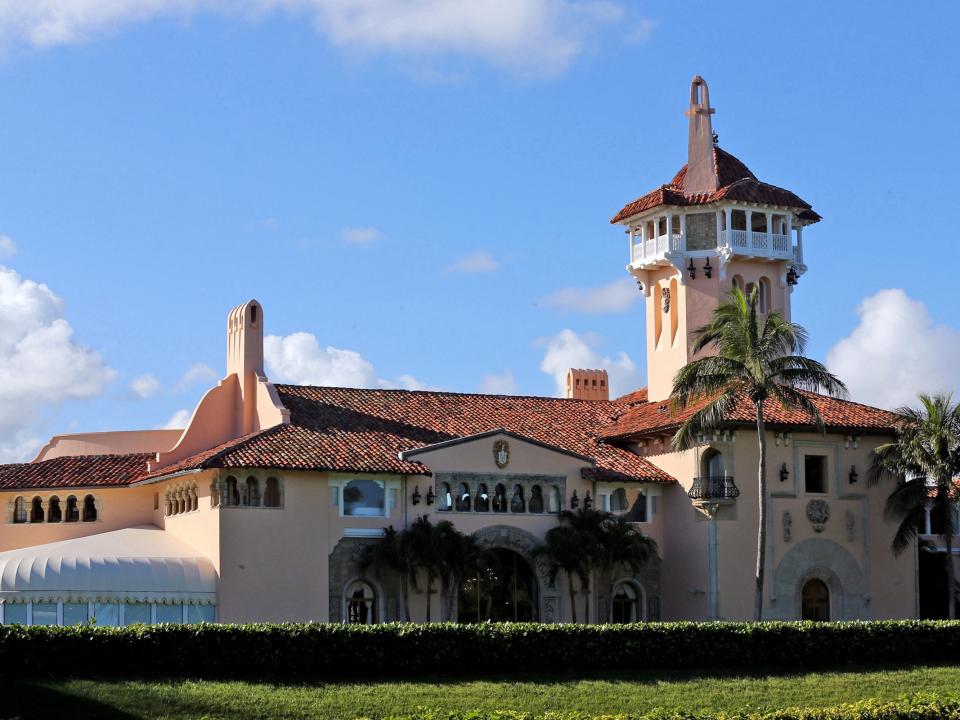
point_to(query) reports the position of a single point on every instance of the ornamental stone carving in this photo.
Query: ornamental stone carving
(818, 512)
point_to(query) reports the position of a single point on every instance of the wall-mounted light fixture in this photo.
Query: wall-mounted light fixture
(854, 476)
(416, 495)
(708, 269)
(792, 276)
(587, 501)
(691, 268)
(784, 473)
(430, 496)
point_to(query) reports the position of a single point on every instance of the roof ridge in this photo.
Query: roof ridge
(404, 391)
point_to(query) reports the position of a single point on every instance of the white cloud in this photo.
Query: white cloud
(499, 384)
(896, 351)
(478, 262)
(8, 248)
(41, 365)
(361, 236)
(568, 350)
(614, 297)
(198, 372)
(178, 421)
(298, 358)
(539, 36)
(643, 31)
(144, 386)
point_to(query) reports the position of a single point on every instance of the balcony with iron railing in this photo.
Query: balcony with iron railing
(714, 489)
(746, 243)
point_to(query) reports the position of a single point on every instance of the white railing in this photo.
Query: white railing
(738, 238)
(655, 248)
(781, 244)
(758, 243)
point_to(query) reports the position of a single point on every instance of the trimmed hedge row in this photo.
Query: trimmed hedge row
(918, 709)
(315, 651)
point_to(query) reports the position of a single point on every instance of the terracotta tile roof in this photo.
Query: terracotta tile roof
(357, 430)
(74, 471)
(736, 183)
(838, 415)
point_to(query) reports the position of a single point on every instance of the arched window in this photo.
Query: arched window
(536, 499)
(271, 495)
(626, 603)
(444, 497)
(500, 499)
(215, 493)
(815, 601)
(233, 492)
(36, 510)
(618, 500)
(73, 511)
(738, 283)
(19, 510)
(553, 500)
(517, 503)
(482, 503)
(463, 498)
(251, 492)
(361, 604)
(712, 464)
(53, 510)
(89, 509)
(763, 304)
(194, 498)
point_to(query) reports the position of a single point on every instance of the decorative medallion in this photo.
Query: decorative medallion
(818, 512)
(501, 453)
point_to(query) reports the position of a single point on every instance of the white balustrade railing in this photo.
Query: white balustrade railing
(781, 244)
(737, 238)
(774, 245)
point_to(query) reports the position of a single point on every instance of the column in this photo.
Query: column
(669, 230)
(790, 230)
(713, 565)
(926, 520)
(683, 232)
(749, 214)
(729, 218)
(800, 244)
(643, 239)
(720, 242)
(770, 232)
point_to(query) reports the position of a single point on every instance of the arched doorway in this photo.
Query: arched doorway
(503, 589)
(627, 603)
(815, 600)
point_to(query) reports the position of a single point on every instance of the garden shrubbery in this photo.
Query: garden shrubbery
(331, 651)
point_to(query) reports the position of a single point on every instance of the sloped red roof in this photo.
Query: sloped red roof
(74, 471)
(659, 417)
(360, 430)
(736, 182)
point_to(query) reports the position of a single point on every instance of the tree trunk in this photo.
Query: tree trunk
(951, 580)
(586, 602)
(762, 518)
(405, 596)
(573, 597)
(610, 605)
(429, 596)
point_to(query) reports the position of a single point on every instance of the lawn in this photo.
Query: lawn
(625, 693)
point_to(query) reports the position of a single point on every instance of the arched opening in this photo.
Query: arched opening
(517, 503)
(712, 464)
(554, 501)
(53, 510)
(444, 497)
(271, 495)
(815, 601)
(482, 503)
(500, 499)
(502, 589)
(674, 310)
(627, 603)
(361, 604)
(36, 510)
(618, 500)
(89, 509)
(233, 492)
(657, 315)
(763, 304)
(73, 511)
(737, 282)
(536, 499)
(215, 494)
(463, 498)
(19, 510)
(251, 492)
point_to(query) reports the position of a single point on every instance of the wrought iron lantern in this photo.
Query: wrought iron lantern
(574, 501)
(587, 501)
(784, 473)
(792, 276)
(854, 476)
(430, 496)
(416, 495)
(692, 269)
(708, 269)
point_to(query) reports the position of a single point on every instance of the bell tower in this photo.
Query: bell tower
(713, 226)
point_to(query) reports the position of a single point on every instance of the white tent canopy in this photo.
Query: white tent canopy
(138, 564)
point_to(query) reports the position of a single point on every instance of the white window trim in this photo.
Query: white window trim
(337, 485)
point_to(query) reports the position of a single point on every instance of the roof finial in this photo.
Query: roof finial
(701, 175)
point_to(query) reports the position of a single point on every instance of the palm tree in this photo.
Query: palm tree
(426, 552)
(587, 524)
(460, 555)
(924, 460)
(622, 544)
(564, 551)
(756, 359)
(391, 554)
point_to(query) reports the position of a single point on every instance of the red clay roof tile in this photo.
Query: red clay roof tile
(74, 471)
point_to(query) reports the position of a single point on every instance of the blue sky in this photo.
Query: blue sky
(424, 187)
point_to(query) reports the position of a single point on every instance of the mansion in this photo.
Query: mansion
(260, 508)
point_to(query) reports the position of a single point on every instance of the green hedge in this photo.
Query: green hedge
(868, 710)
(330, 651)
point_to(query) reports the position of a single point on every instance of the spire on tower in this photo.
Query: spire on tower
(701, 176)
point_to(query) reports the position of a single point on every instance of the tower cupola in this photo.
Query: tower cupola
(714, 225)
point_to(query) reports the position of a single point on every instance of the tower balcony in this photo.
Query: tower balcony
(715, 490)
(646, 254)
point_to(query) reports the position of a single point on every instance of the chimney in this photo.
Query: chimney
(701, 174)
(587, 385)
(245, 355)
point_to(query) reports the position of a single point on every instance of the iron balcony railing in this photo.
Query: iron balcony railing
(714, 488)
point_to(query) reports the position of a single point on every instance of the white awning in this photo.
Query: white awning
(138, 564)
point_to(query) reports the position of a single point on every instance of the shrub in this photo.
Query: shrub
(320, 651)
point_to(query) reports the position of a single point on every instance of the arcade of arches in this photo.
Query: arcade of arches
(503, 589)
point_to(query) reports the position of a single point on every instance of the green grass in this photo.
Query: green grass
(78, 699)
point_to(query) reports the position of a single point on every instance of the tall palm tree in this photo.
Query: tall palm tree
(620, 544)
(757, 358)
(924, 460)
(564, 551)
(460, 555)
(588, 526)
(426, 552)
(391, 554)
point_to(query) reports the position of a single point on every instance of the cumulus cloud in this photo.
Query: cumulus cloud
(144, 386)
(361, 236)
(178, 421)
(540, 36)
(896, 351)
(478, 262)
(41, 365)
(568, 350)
(614, 297)
(8, 248)
(499, 384)
(196, 373)
(299, 358)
